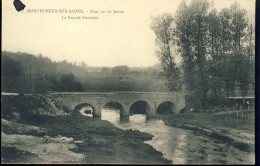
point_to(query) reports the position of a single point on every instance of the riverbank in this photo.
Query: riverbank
(32, 132)
(213, 120)
(236, 134)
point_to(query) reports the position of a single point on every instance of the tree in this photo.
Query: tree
(69, 83)
(247, 64)
(191, 31)
(53, 79)
(161, 26)
(227, 62)
(217, 50)
(241, 67)
(83, 65)
(105, 70)
(250, 51)
(11, 68)
(120, 70)
(41, 84)
(12, 75)
(215, 60)
(20, 71)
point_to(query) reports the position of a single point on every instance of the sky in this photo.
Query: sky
(111, 40)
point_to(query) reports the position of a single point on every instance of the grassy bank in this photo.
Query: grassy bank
(211, 120)
(67, 138)
(229, 129)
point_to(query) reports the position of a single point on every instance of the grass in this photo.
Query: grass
(211, 120)
(13, 155)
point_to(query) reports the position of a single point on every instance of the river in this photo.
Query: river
(168, 140)
(181, 146)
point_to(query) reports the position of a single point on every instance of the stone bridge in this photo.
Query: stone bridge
(97, 100)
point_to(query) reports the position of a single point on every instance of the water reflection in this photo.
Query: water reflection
(168, 140)
(124, 120)
(86, 111)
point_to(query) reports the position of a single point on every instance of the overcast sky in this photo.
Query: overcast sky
(113, 39)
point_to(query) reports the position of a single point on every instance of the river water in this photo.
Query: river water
(168, 140)
(181, 146)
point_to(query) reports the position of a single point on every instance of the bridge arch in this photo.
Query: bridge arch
(114, 105)
(166, 107)
(140, 107)
(84, 109)
(119, 109)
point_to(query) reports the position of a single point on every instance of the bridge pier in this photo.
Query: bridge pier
(124, 114)
(97, 110)
(97, 114)
(151, 114)
(124, 118)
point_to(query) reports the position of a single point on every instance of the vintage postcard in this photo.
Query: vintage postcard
(128, 82)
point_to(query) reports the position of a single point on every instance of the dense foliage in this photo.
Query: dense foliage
(26, 73)
(217, 51)
(23, 72)
(12, 75)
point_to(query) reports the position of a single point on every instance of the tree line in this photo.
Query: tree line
(26, 73)
(217, 50)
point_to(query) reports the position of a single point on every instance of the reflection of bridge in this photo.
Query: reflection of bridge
(152, 100)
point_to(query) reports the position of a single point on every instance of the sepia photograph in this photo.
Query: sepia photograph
(128, 82)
